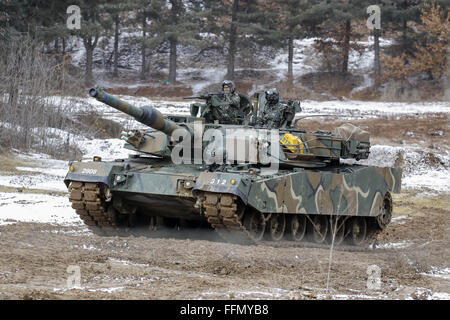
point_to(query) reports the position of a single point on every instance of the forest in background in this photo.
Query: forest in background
(37, 52)
(235, 30)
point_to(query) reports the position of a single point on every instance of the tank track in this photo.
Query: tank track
(89, 203)
(221, 211)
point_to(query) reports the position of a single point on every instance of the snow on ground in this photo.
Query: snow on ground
(374, 107)
(427, 294)
(40, 208)
(334, 107)
(34, 181)
(107, 149)
(87, 104)
(48, 174)
(45, 174)
(400, 219)
(305, 59)
(433, 180)
(439, 273)
(395, 245)
(418, 173)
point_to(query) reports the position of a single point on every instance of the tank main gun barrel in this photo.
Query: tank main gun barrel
(145, 115)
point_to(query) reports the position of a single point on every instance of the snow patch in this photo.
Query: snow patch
(400, 219)
(107, 290)
(374, 107)
(86, 247)
(128, 263)
(395, 245)
(107, 149)
(427, 294)
(439, 273)
(20, 207)
(37, 181)
(422, 168)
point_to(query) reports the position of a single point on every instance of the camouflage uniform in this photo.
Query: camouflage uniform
(229, 113)
(276, 114)
(226, 108)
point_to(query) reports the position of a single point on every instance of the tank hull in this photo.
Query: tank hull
(185, 192)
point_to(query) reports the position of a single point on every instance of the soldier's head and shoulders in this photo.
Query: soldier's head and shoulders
(276, 112)
(225, 107)
(273, 101)
(229, 89)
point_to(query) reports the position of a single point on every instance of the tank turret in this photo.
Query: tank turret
(297, 148)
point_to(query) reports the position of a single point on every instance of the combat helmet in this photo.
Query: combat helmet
(230, 84)
(272, 96)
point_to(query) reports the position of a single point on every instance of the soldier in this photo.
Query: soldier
(276, 113)
(229, 111)
(226, 107)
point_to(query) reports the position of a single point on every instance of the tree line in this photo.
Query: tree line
(420, 29)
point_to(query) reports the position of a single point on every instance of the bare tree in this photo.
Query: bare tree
(30, 119)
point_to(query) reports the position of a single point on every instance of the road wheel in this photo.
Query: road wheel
(276, 227)
(336, 227)
(318, 228)
(357, 231)
(255, 224)
(297, 227)
(384, 218)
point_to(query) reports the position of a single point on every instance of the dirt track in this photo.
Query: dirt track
(35, 258)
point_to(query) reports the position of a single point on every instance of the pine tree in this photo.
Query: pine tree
(293, 20)
(396, 17)
(147, 20)
(94, 21)
(116, 9)
(175, 24)
(40, 19)
(430, 55)
(239, 24)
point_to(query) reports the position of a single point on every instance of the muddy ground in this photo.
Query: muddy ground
(39, 260)
(35, 258)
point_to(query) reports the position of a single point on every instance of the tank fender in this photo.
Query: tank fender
(223, 182)
(92, 172)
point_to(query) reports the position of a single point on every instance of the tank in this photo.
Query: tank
(250, 184)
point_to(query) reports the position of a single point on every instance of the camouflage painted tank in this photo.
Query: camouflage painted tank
(248, 183)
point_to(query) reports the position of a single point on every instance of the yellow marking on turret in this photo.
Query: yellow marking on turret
(292, 143)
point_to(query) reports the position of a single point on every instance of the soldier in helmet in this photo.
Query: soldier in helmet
(226, 107)
(228, 112)
(276, 113)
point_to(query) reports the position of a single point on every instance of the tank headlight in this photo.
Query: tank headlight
(233, 181)
(251, 172)
(97, 159)
(72, 169)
